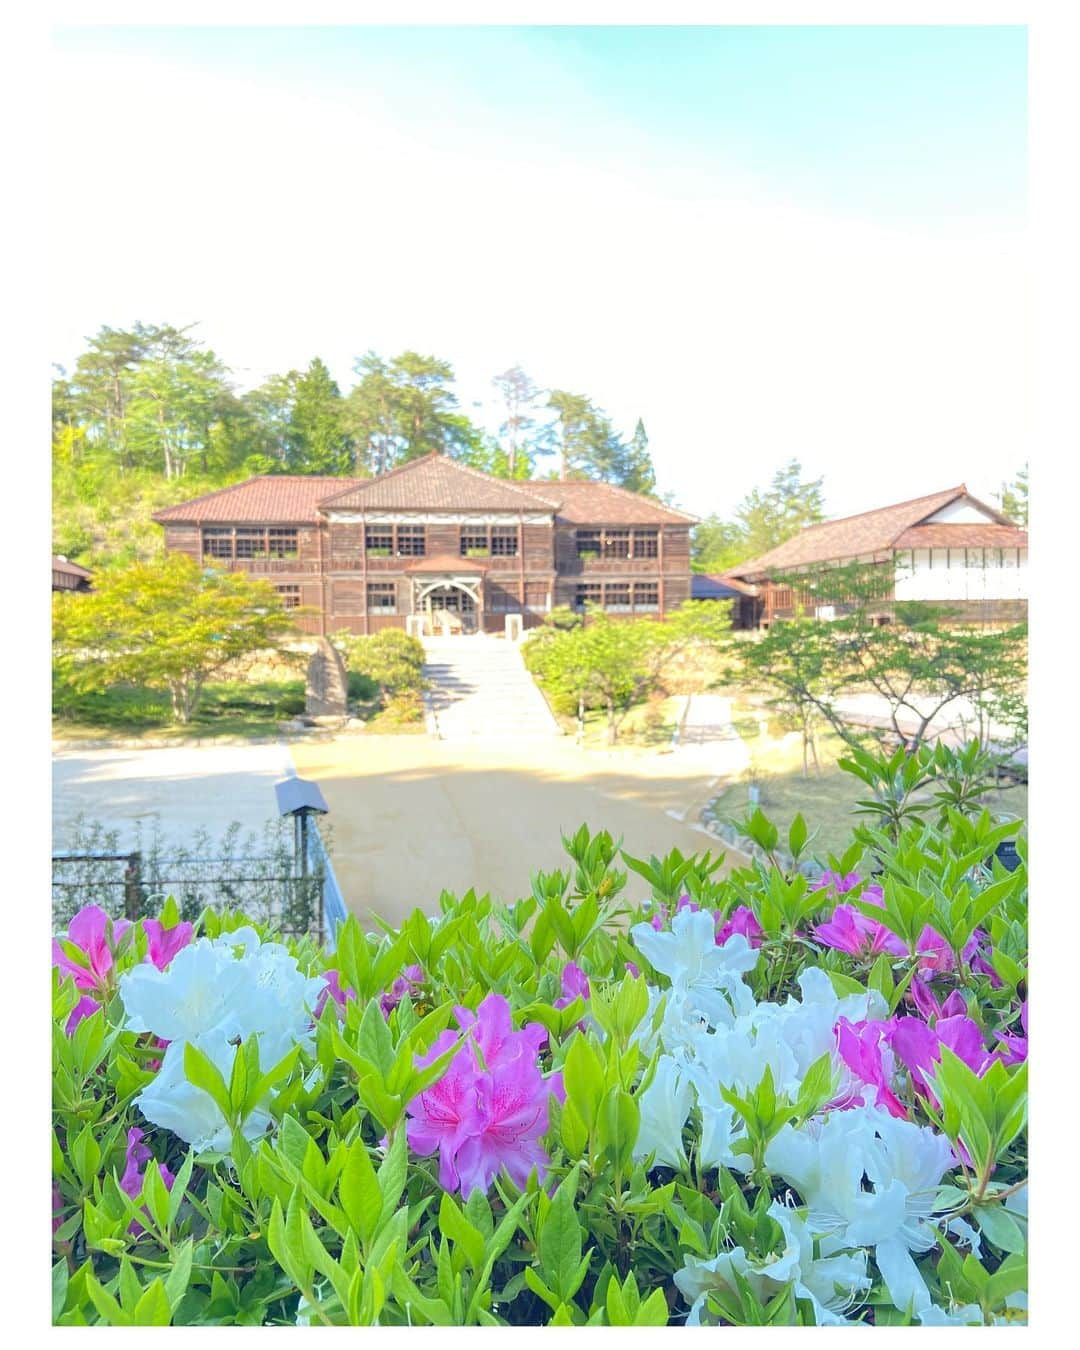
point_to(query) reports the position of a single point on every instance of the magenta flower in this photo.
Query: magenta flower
(975, 953)
(864, 1048)
(919, 1047)
(741, 920)
(920, 993)
(91, 930)
(164, 943)
(633, 969)
(853, 932)
(86, 1007)
(135, 1160)
(686, 903)
(490, 1108)
(408, 982)
(333, 991)
(575, 984)
(57, 1207)
(839, 884)
(1016, 1047)
(934, 953)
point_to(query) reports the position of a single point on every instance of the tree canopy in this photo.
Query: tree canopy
(167, 625)
(761, 521)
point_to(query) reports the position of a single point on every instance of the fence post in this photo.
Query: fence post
(133, 887)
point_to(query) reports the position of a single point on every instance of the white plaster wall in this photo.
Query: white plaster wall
(963, 511)
(1005, 582)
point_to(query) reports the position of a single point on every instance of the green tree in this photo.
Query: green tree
(717, 544)
(392, 659)
(787, 506)
(1013, 499)
(315, 437)
(164, 625)
(570, 430)
(522, 441)
(100, 386)
(405, 408)
(636, 471)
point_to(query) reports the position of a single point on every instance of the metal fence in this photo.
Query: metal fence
(268, 880)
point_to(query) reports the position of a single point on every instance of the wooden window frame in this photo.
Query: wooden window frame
(596, 596)
(384, 590)
(585, 548)
(410, 541)
(480, 545)
(645, 606)
(289, 595)
(222, 535)
(502, 536)
(283, 542)
(616, 544)
(379, 532)
(646, 544)
(620, 606)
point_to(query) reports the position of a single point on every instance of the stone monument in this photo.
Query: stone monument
(327, 693)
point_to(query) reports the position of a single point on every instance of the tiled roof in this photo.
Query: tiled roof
(855, 536)
(582, 502)
(288, 499)
(72, 569)
(448, 562)
(942, 535)
(437, 483)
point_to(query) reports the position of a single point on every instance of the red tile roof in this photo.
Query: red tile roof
(583, 502)
(289, 499)
(438, 483)
(871, 532)
(448, 562)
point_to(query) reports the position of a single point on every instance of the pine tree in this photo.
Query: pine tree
(316, 440)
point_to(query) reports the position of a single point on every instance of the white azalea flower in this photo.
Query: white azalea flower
(199, 991)
(664, 1105)
(176, 1104)
(696, 966)
(903, 1163)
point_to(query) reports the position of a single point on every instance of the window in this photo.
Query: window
(646, 595)
(251, 543)
(282, 543)
(502, 601)
(646, 543)
(474, 541)
(217, 543)
(379, 540)
(617, 596)
(588, 543)
(410, 541)
(504, 541)
(382, 597)
(616, 544)
(290, 596)
(588, 593)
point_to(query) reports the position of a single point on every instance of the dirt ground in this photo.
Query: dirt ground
(411, 816)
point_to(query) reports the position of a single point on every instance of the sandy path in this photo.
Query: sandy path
(410, 816)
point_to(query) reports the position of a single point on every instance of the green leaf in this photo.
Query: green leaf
(203, 1073)
(110, 1312)
(455, 1227)
(392, 1173)
(176, 1282)
(560, 1240)
(359, 1192)
(1001, 1228)
(583, 1079)
(59, 1288)
(153, 1310)
(653, 1312)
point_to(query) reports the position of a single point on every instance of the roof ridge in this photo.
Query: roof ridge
(622, 491)
(877, 510)
(398, 469)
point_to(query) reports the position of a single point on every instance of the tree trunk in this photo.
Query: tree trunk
(581, 720)
(612, 731)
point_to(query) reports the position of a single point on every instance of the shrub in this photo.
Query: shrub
(741, 1101)
(391, 660)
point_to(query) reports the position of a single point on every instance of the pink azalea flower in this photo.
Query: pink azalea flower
(849, 930)
(575, 984)
(840, 884)
(975, 954)
(490, 1108)
(920, 993)
(89, 930)
(164, 943)
(135, 1160)
(919, 1047)
(410, 979)
(863, 1046)
(1016, 1047)
(632, 969)
(686, 903)
(741, 920)
(333, 991)
(85, 1007)
(657, 918)
(934, 953)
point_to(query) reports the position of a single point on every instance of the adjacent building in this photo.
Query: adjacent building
(436, 540)
(947, 548)
(68, 576)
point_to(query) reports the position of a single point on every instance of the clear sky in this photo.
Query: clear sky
(766, 242)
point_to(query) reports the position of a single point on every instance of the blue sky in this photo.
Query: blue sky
(764, 241)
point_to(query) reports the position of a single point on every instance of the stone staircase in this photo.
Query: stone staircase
(480, 689)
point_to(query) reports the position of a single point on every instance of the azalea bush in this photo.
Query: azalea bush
(743, 1100)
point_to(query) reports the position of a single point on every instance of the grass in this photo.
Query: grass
(227, 709)
(649, 724)
(827, 802)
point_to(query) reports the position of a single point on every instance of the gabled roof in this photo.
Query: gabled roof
(585, 502)
(450, 563)
(871, 532)
(287, 499)
(61, 564)
(438, 483)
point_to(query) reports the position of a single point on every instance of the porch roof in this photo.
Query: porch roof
(449, 563)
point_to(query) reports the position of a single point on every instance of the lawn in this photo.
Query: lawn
(827, 801)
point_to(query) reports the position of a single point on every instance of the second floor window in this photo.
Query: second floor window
(618, 543)
(389, 541)
(498, 541)
(410, 541)
(250, 541)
